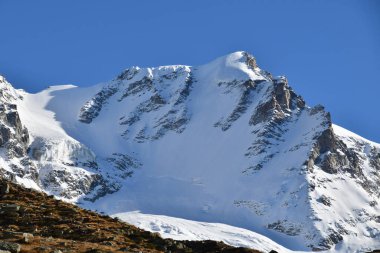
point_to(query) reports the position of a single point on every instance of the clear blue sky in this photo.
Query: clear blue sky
(329, 50)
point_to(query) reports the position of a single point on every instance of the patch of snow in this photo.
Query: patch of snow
(181, 229)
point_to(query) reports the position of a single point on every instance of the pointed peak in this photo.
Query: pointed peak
(238, 57)
(238, 65)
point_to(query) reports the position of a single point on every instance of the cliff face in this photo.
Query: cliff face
(224, 142)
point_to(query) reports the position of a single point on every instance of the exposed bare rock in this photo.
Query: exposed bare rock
(125, 163)
(250, 60)
(145, 84)
(11, 247)
(13, 135)
(93, 107)
(128, 74)
(332, 155)
(286, 227)
(324, 200)
(333, 238)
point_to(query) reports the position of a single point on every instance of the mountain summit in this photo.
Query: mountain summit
(223, 142)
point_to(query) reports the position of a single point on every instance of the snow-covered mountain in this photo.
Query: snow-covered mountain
(223, 142)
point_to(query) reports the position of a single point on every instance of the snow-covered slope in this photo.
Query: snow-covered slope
(181, 229)
(223, 142)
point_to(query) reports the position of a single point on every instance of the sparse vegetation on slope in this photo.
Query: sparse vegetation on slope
(40, 223)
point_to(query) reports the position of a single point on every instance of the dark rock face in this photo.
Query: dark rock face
(330, 153)
(128, 74)
(125, 163)
(5, 134)
(281, 99)
(266, 110)
(250, 60)
(285, 228)
(333, 238)
(100, 187)
(93, 107)
(324, 200)
(145, 84)
(325, 154)
(375, 158)
(285, 95)
(13, 135)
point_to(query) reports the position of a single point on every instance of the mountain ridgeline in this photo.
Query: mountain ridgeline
(223, 142)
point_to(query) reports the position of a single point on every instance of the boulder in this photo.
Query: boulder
(4, 188)
(10, 246)
(10, 208)
(27, 238)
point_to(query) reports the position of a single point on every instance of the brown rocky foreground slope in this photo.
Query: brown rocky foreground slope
(31, 221)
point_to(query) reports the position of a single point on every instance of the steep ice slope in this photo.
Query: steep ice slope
(223, 142)
(65, 167)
